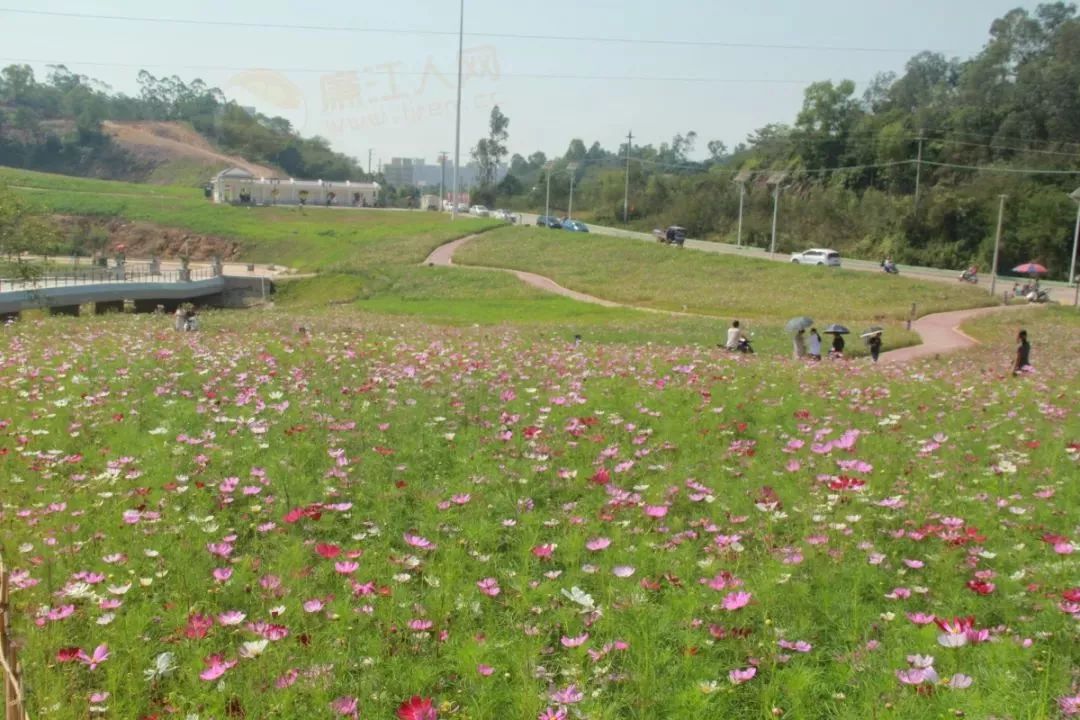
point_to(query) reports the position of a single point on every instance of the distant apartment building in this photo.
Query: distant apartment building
(239, 187)
(415, 172)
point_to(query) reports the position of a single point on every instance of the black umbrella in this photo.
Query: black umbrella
(835, 329)
(872, 331)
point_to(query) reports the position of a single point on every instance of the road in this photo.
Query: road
(1059, 291)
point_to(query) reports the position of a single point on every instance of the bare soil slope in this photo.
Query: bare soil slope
(158, 143)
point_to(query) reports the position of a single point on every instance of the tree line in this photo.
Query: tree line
(55, 125)
(963, 131)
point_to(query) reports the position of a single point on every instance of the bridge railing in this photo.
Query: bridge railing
(101, 276)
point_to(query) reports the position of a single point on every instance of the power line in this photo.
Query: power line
(991, 168)
(413, 73)
(448, 33)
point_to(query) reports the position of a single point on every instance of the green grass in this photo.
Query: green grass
(649, 275)
(308, 239)
(131, 454)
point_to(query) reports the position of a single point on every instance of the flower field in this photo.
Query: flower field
(379, 519)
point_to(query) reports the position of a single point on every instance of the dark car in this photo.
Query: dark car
(549, 222)
(575, 226)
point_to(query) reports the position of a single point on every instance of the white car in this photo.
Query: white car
(479, 211)
(817, 256)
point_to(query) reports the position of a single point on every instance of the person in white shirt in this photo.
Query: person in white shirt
(734, 336)
(815, 344)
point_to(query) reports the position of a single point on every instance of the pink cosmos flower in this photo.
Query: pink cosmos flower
(420, 625)
(567, 696)
(485, 670)
(959, 681)
(1069, 705)
(231, 617)
(345, 705)
(573, 642)
(916, 676)
(222, 574)
(346, 567)
(418, 542)
(489, 586)
(623, 571)
(314, 605)
(544, 551)
(100, 655)
(216, 667)
(736, 600)
(552, 714)
(920, 618)
(739, 676)
(656, 511)
(598, 544)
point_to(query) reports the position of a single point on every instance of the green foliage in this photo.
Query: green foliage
(84, 150)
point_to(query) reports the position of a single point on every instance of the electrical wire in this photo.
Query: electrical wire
(450, 33)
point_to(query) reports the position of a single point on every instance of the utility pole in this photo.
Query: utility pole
(997, 245)
(1075, 195)
(572, 168)
(918, 170)
(369, 161)
(742, 196)
(547, 202)
(442, 180)
(626, 190)
(775, 210)
(457, 133)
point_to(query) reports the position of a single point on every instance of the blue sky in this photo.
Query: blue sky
(393, 93)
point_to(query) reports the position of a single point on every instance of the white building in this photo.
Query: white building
(236, 186)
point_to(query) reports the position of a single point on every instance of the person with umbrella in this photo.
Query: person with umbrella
(797, 327)
(838, 332)
(873, 341)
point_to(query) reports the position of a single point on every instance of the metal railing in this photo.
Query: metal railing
(101, 276)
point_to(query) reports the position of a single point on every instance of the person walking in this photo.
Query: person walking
(815, 344)
(875, 346)
(1023, 353)
(179, 319)
(800, 345)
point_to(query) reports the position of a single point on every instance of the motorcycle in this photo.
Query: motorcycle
(1038, 296)
(745, 347)
(969, 276)
(890, 267)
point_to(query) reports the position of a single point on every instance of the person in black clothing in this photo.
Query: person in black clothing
(837, 345)
(875, 346)
(1023, 352)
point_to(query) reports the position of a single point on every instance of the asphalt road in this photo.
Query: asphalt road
(1059, 291)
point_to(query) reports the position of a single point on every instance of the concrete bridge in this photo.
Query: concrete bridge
(66, 295)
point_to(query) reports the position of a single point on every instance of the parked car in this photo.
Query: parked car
(479, 211)
(548, 222)
(462, 208)
(817, 256)
(575, 226)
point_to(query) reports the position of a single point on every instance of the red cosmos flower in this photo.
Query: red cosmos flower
(328, 550)
(957, 625)
(67, 654)
(601, 477)
(981, 587)
(417, 708)
(198, 625)
(1072, 594)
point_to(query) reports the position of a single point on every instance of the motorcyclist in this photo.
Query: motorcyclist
(888, 265)
(971, 273)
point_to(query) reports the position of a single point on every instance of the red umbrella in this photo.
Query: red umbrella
(1031, 268)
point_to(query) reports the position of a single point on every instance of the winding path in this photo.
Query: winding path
(940, 333)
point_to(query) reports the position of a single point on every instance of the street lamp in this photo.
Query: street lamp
(997, 244)
(1075, 195)
(572, 167)
(741, 179)
(457, 132)
(775, 181)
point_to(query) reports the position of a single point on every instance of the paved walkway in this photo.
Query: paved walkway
(940, 332)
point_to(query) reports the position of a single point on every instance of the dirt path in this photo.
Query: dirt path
(940, 332)
(444, 256)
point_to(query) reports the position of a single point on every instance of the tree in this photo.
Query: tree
(717, 150)
(490, 151)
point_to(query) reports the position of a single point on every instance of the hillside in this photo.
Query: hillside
(172, 132)
(176, 151)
